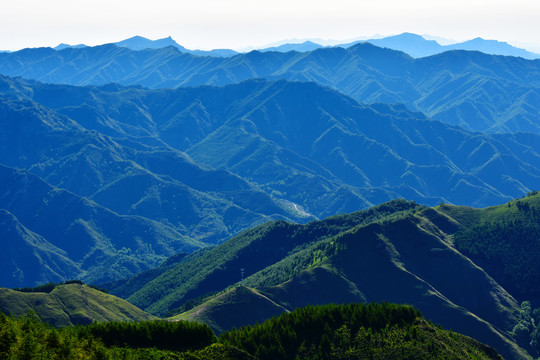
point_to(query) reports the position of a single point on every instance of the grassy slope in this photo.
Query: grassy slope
(468, 216)
(233, 308)
(71, 304)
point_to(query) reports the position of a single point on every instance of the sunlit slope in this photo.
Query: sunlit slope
(70, 304)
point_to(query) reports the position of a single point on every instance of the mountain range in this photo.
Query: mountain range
(142, 43)
(398, 251)
(214, 161)
(476, 91)
(412, 44)
(193, 186)
(417, 46)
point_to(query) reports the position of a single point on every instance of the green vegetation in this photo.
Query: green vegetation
(505, 241)
(359, 331)
(397, 252)
(165, 335)
(48, 287)
(527, 331)
(254, 250)
(26, 337)
(69, 304)
(355, 331)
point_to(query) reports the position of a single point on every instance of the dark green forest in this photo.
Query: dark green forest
(354, 331)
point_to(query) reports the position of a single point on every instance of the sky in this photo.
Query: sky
(239, 24)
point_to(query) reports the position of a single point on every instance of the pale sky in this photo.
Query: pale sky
(237, 24)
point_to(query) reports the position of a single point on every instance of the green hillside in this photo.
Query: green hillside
(397, 251)
(254, 250)
(70, 304)
(505, 241)
(231, 309)
(404, 259)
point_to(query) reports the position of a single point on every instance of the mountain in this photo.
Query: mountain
(492, 47)
(67, 46)
(167, 202)
(257, 144)
(417, 46)
(504, 241)
(71, 304)
(141, 43)
(212, 270)
(398, 252)
(476, 91)
(215, 161)
(77, 238)
(301, 47)
(224, 53)
(28, 258)
(412, 44)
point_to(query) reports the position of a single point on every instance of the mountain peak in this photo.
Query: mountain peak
(140, 43)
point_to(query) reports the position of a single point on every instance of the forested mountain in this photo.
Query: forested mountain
(398, 251)
(132, 174)
(198, 165)
(505, 241)
(66, 236)
(279, 136)
(479, 92)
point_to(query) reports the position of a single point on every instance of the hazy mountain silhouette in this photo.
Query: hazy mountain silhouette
(417, 46)
(301, 47)
(141, 43)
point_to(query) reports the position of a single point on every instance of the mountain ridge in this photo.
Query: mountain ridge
(398, 252)
(70, 304)
(479, 92)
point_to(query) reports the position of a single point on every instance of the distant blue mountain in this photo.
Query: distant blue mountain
(417, 46)
(412, 44)
(471, 89)
(302, 47)
(67, 46)
(493, 47)
(141, 43)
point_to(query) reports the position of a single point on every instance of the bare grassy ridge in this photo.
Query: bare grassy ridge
(72, 304)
